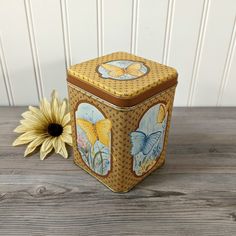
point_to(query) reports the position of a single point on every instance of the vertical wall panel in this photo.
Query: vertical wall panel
(184, 37)
(16, 45)
(3, 93)
(49, 42)
(214, 52)
(117, 21)
(40, 39)
(229, 94)
(151, 28)
(5, 88)
(82, 29)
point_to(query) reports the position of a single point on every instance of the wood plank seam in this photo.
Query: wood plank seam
(34, 48)
(100, 28)
(6, 78)
(168, 31)
(134, 27)
(227, 66)
(66, 33)
(198, 52)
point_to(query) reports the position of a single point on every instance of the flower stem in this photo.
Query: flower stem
(101, 160)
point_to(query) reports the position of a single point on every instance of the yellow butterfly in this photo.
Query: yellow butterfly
(98, 131)
(115, 71)
(162, 112)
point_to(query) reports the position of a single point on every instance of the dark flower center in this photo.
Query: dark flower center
(55, 129)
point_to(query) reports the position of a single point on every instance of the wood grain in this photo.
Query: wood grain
(193, 194)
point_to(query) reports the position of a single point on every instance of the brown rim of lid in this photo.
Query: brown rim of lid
(119, 101)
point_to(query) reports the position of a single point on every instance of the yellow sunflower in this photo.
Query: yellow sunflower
(48, 126)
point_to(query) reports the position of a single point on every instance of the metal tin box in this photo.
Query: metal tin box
(121, 108)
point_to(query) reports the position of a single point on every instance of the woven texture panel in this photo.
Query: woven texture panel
(121, 177)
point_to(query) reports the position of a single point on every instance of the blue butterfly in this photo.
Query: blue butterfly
(142, 142)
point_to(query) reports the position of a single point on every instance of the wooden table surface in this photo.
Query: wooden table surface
(194, 193)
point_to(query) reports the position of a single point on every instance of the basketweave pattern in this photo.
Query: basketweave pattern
(157, 75)
(121, 178)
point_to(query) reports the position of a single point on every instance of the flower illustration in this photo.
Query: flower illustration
(146, 166)
(156, 151)
(47, 126)
(81, 141)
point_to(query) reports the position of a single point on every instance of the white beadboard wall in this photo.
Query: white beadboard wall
(40, 39)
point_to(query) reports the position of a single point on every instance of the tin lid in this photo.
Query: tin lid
(122, 78)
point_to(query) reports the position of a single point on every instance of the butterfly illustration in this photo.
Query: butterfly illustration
(116, 71)
(142, 142)
(98, 131)
(163, 109)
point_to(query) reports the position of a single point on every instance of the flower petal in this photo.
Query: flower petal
(25, 138)
(60, 147)
(31, 125)
(28, 115)
(66, 120)
(54, 94)
(34, 144)
(32, 121)
(46, 148)
(55, 110)
(21, 129)
(37, 112)
(67, 104)
(62, 111)
(66, 138)
(56, 144)
(46, 109)
(62, 150)
(67, 129)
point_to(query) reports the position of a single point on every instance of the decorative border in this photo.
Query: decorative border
(153, 167)
(111, 149)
